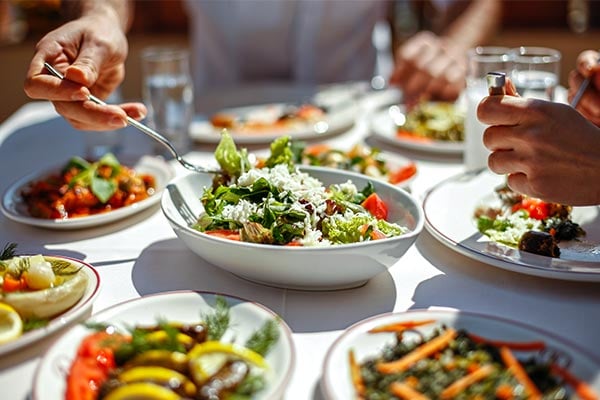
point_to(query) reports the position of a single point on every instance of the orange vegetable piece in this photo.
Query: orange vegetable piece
(402, 174)
(425, 350)
(404, 391)
(515, 367)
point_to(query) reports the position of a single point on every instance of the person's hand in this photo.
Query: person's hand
(90, 53)
(587, 66)
(548, 150)
(429, 67)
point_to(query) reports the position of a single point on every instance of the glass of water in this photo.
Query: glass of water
(480, 61)
(168, 94)
(535, 71)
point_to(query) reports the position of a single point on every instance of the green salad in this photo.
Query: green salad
(278, 204)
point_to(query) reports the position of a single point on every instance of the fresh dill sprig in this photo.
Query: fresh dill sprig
(63, 268)
(22, 266)
(264, 337)
(217, 322)
(9, 251)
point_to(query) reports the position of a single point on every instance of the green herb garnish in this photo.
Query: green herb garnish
(102, 187)
(9, 251)
(31, 324)
(265, 337)
(217, 322)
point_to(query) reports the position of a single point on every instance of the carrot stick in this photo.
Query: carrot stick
(520, 346)
(357, 380)
(583, 390)
(461, 384)
(404, 391)
(515, 367)
(400, 326)
(425, 350)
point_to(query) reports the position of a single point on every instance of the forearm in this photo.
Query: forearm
(118, 10)
(476, 25)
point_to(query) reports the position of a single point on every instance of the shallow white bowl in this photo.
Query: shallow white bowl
(182, 306)
(306, 268)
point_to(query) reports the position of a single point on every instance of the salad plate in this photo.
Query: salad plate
(180, 307)
(337, 382)
(449, 209)
(73, 314)
(385, 125)
(14, 207)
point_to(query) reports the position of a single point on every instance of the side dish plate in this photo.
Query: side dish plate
(337, 384)
(184, 306)
(75, 313)
(449, 209)
(385, 129)
(14, 208)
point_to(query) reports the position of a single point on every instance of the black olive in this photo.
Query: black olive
(541, 243)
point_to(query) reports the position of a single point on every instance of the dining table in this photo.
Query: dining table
(141, 255)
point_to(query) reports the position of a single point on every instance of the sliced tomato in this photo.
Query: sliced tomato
(402, 174)
(225, 234)
(537, 209)
(375, 206)
(92, 365)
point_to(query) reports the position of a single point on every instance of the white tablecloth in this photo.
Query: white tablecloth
(142, 256)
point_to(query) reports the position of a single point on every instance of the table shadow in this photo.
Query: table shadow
(21, 233)
(168, 265)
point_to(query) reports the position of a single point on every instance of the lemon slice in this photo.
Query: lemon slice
(207, 358)
(142, 390)
(11, 325)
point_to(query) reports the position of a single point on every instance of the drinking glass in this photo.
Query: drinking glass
(480, 61)
(168, 94)
(535, 71)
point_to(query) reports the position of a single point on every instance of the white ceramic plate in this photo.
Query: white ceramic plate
(73, 314)
(14, 208)
(449, 209)
(336, 383)
(333, 123)
(385, 129)
(305, 268)
(183, 306)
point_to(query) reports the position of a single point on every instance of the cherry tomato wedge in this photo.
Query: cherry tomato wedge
(376, 206)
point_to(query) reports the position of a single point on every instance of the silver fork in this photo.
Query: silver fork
(148, 131)
(182, 207)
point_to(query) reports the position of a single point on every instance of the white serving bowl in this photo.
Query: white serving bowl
(305, 268)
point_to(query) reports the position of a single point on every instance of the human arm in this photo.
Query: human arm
(548, 150)
(90, 51)
(434, 67)
(587, 66)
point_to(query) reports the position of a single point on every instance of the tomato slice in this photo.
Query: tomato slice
(376, 206)
(537, 209)
(402, 174)
(225, 234)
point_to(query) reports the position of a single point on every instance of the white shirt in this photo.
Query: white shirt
(301, 41)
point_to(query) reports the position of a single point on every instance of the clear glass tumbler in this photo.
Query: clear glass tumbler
(481, 60)
(168, 94)
(535, 71)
